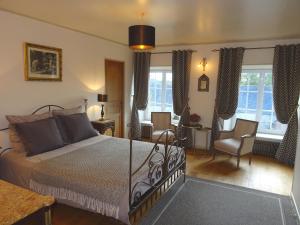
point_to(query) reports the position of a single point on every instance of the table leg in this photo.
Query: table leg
(48, 219)
(113, 131)
(194, 140)
(206, 144)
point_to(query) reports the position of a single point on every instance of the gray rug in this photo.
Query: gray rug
(201, 202)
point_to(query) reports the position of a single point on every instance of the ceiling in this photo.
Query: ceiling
(176, 21)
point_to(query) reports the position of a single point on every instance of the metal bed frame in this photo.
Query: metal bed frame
(165, 163)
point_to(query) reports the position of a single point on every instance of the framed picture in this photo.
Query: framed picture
(203, 83)
(43, 63)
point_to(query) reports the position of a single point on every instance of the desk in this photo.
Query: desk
(19, 205)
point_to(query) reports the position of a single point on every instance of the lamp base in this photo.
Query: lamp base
(102, 112)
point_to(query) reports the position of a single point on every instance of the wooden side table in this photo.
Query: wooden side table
(198, 128)
(103, 125)
(21, 206)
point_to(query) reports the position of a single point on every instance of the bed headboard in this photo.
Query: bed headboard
(48, 107)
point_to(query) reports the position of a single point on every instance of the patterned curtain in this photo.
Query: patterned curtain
(181, 69)
(141, 70)
(286, 87)
(230, 68)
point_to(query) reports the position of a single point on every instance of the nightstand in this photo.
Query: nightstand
(103, 125)
(21, 206)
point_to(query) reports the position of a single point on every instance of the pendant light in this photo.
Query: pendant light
(141, 37)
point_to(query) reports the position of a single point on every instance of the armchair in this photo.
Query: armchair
(161, 121)
(239, 141)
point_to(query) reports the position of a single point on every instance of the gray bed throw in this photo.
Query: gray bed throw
(94, 177)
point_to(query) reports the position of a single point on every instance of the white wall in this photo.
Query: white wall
(83, 67)
(296, 182)
(202, 103)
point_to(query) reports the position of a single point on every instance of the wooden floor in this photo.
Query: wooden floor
(264, 174)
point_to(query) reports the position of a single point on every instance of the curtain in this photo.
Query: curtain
(230, 68)
(286, 87)
(141, 70)
(181, 69)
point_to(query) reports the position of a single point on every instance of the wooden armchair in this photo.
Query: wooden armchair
(239, 141)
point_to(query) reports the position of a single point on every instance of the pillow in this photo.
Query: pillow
(40, 136)
(67, 111)
(76, 127)
(14, 138)
(60, 112)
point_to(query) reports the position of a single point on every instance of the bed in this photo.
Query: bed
(112, 176)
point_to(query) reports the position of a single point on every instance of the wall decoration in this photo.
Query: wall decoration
(43, 63)
(203, 83)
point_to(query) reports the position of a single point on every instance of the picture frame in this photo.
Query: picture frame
(42, 63)
(203, 83)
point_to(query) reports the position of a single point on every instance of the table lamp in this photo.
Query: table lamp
(102, 98)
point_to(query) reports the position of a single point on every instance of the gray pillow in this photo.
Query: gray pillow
(39, 136)
(76, 127)
(15, 140)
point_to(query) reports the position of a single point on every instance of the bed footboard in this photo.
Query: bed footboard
(165, 164)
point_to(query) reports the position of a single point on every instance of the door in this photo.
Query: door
(114, 87)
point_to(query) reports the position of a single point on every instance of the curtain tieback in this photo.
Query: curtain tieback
(294, 113)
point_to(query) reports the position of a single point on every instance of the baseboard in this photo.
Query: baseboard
(295, 204)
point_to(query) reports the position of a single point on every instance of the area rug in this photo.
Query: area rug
(202, 202)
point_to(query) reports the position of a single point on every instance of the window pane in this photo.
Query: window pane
(242, 100)
(268, 101)
(252, 100)
(169, 99)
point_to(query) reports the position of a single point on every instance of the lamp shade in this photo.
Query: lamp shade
(102, 98)
(141, 37)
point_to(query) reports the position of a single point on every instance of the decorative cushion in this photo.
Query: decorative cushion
(76, 127)
(40, 136)
(229, 145)
(71, 111)
(15, 140)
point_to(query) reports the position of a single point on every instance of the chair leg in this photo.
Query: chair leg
(250, 159)
(214, 154)
(238, 162)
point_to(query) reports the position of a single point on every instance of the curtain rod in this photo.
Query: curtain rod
(167, 52)
(270, 47)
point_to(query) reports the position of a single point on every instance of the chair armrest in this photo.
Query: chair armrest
(247, 136)
(226, 134)
(247, 142)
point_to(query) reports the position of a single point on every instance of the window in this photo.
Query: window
(256, 99)
(160, 91)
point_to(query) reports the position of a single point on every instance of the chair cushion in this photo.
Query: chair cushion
(229, 145)
(156, 134)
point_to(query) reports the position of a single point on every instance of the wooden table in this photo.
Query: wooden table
(19, 205)
(103, 125)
